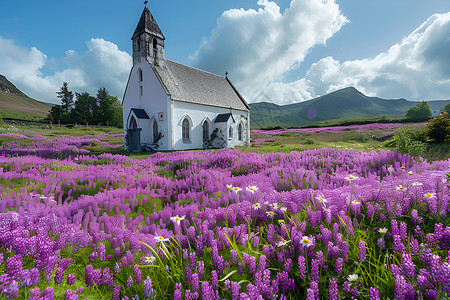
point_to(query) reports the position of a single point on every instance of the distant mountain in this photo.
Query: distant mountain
(345, 103)
(15, 104)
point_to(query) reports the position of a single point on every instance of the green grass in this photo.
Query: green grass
(22, 116)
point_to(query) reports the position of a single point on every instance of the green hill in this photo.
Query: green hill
(341, 104)
(14, 104)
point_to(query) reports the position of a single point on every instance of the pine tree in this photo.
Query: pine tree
(66, 97)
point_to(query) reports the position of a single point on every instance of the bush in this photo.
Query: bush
(309, 141)
(418, 113)
(439, 129)
(409, 140)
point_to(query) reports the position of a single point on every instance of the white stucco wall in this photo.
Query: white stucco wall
(197, 114)
(154, 100)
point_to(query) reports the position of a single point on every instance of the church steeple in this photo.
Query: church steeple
(148, 40)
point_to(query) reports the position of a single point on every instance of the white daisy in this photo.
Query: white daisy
(282, 243)
(270, 214)
(321, 199)
(400, 188)
(256, 206)
(383, 230)
(150, 260)
(351, 177)
(160, 238)
(306, 241)
(430, 195)
(252, 188)
(236, 189)
(352, 277)
(416, 183)
(177, 219)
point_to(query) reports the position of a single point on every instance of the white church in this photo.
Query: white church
(171, 106)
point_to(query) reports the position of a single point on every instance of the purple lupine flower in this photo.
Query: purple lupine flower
(310, 294)
(333, 293)
(71, 279)
(116, 268)
(414, 245)
(403, 232)
(130, 282)
(59, 275)
(315, 287)
(116, 292)
(315, 268)
(285, 283)
(344, 247)
(262, 262)
(302, 266)
(148, 290)
(11, 290)
(374, 294)
(35, 294)
(89, 275)
(195, 282)
(137, 274)
(13, 265)
(362, 251)
(214, 279)
(394, 227)
(381, 243)
(70, 295)
(399, 247)
(339, 264)
(49, 293)
(177, 295)
(201, 269)
(408, 265)
(235, 287)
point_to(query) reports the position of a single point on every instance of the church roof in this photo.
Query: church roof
(223, 118)
(147, 24)
(188, 84)
(140, 113)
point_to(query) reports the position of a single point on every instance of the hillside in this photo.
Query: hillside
(15, 104)
(345, 103)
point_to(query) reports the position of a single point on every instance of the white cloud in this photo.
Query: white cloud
(416, 68)
(259, 46)
(102, 65)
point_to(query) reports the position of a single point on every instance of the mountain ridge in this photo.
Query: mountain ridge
(16, 104)
(344, 103)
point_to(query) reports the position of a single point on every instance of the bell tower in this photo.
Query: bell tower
(148, 40)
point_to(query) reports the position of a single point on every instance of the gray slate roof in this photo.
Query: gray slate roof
(140, 113)
(147, 24)
(223, 118)
(192, 85)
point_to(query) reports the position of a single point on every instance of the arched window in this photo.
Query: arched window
(185, 130)
(133, 123)
(155, 131)
(205, 131)
(230, 132)
(138, 46)
(140, 75)
(240, 132)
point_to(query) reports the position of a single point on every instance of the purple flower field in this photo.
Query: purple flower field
(317, 224)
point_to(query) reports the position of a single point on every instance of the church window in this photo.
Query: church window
(138, 46)
(140, 75)
(133, 123)
(240, 132)
(230, 132)
(155, 131)
(154, 47)
(142, 90)
(185, 130)
(205, 131)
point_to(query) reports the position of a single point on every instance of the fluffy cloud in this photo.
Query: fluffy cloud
(416, 68)
(102, 65)
(259, 46)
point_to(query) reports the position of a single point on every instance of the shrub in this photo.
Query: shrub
(309, 141)
(409, 140)
(439, 129)
(418, 113)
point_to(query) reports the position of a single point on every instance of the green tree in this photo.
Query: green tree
(117, 118)
(56, 113)
(419, 113)
(85, 109)
(105, 105)
(447, 108)
(439, 129)
(66, 97)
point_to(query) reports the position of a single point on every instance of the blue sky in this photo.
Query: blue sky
(280, 51)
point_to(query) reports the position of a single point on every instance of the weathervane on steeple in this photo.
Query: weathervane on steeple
(226, 74)
(145, 2)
